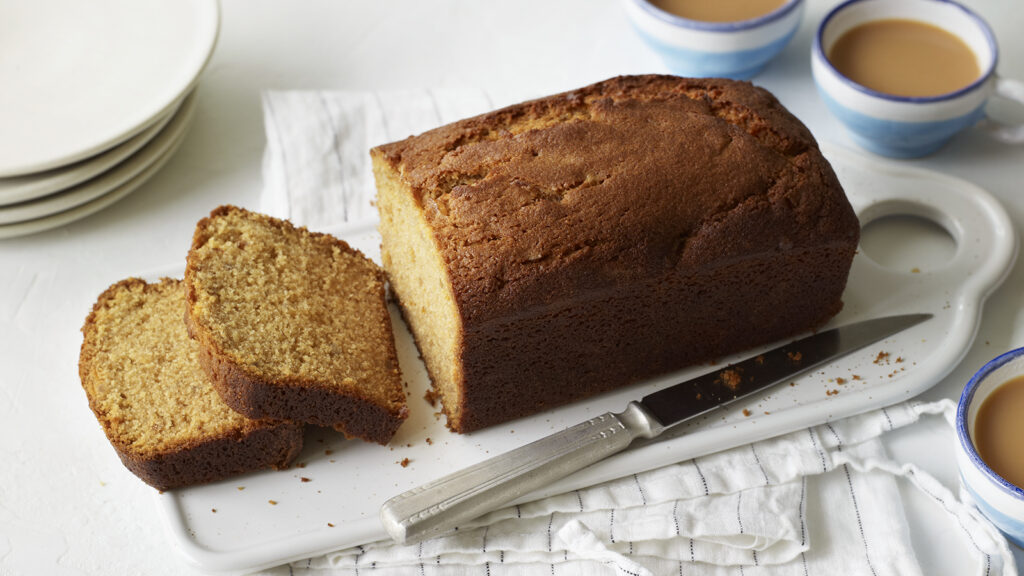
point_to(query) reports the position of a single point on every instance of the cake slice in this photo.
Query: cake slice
(141, 373)
(293, 324)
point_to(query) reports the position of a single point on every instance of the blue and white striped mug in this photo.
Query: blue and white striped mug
(702, 49)
(996, 498)
(908, 127)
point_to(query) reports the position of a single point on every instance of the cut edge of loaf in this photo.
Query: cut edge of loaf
(258, 396)
(254, 445)
(414, 244)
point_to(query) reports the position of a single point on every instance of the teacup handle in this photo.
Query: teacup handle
(1011, 90)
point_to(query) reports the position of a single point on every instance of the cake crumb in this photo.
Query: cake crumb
(832, 392)
(855, 377)
(795, 356)
(431, 397)
(328, 452)
(899, 359)
(214, 510)
(840, 381)
(883, 356)
(300, 465)
(329, 525)
(730, 378)
(915, 270)
(240, 488)
(759, 359)
(746, 412)
(792, 383)
(429, 441)
(272, 502)
(404, 462)
(304, 479)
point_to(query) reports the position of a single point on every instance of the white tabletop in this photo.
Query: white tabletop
(67, 506)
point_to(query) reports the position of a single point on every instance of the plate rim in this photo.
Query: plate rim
(108, 181)
(90, 207)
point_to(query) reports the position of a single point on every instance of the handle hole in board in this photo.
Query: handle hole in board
(909, 241)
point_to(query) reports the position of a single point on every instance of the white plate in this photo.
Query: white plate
(97, 204)
(107, 182)
(351, 479)
(81, 77)
(23, 188)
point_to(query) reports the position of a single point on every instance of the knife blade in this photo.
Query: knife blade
(439, 506)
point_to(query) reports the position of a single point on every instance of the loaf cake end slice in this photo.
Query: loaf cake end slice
(141, 373)
(293, 324)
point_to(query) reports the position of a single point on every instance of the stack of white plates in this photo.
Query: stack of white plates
(96, 97)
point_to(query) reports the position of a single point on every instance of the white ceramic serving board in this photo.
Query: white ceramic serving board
(233, 526)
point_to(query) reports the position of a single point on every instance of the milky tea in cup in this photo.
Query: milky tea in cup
(999, 428)
(719, 10)
(905, 58)
(904, 77)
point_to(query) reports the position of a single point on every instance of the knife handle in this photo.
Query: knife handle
(439, 506)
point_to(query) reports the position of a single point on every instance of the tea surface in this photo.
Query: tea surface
(904, 58)
(719, 10)
(999, 431)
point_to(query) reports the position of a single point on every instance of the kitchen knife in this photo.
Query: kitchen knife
(441, 505)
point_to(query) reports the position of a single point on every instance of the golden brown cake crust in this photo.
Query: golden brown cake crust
(243, 446)
(307, 398)
(256, 397)
(647, 222)
(618, 180)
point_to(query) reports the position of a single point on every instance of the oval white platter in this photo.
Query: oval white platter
(81, 77)
(349, 480)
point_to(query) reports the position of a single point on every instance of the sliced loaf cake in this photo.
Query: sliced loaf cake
(566, 246)
(293, 324)
(141, 373)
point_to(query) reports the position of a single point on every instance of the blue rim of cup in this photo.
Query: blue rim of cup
(989, 36)
(737, 26)
(961, 420)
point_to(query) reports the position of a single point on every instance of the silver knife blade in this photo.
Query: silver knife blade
(439, 506)
(718, 388)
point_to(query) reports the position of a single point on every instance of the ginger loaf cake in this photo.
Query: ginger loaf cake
(293, 324)
(569, 245)
(141, 373)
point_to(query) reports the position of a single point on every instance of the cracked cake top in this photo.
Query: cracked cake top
(615, 181)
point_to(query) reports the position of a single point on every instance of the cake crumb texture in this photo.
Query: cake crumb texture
(141, 373)
(293, 324)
